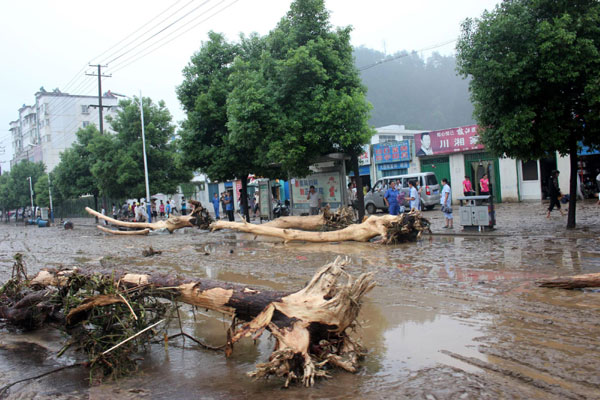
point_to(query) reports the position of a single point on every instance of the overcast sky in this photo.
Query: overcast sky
(48, 43)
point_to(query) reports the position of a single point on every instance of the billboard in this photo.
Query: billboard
(448, 141)
(391, 152)
(329, 185)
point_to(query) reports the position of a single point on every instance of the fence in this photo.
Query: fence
(73, 208)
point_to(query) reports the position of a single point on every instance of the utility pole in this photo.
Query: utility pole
(100, 107)
(148, 201)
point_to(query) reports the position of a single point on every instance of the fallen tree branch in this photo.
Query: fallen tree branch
(327, 220)
(391, 228)
(571, 282)
(199, 217)
(311, 326)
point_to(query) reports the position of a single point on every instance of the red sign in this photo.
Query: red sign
(448, 141)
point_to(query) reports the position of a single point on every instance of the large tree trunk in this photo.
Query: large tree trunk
(571, 282)
(199, 217)
(392, 229)
(310, 326)
(571, 220)
(359, 188)
(244, 198)
(327, 220)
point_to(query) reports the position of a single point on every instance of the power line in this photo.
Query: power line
(125, 64)
(404, 55)
(137, 30)
(147, 31)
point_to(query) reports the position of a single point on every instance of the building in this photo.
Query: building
(46, 128)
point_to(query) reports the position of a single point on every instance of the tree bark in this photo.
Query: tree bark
(310, 326)
(199, 217)
(244, 198)
(571, 220)
(392, 229)
(359, 188)
(327, 220)
(571, 282)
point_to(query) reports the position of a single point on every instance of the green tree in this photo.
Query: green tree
(119, 166)
(73, 176)
(42, 192)
(273, 105)
(535, 84)
(15, 188)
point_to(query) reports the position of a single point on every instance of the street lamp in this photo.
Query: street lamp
(31, 195)
(148, 205)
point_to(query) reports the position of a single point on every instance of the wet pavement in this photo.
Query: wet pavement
(455, 315)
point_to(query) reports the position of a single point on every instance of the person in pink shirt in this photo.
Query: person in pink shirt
(467, 187)
(484, 185)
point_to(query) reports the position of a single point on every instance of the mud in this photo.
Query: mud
(455, 316)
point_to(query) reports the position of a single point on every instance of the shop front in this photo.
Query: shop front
(392, 158)
(478, 164)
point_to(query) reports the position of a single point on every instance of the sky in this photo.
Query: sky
(50, 43)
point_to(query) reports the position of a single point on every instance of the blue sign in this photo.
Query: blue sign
(396, 165)
(391, 152)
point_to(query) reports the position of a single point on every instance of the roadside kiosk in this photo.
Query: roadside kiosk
(477, 212)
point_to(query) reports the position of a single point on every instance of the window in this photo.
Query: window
(85, 109)
(530, 170)
(431, 180)
(386, 138)
(86, 123)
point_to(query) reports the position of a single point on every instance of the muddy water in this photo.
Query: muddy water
(452, 317)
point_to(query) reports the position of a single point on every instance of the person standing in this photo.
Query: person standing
(314, 199)
(413, 196)
(161, 209)
(215, 202)
(446, 202)
(114, 211)
(168, 209)
(229, 207)
(391, 199)
(554, 193)
(183, 206)
(467, 186)
(153, 210)
(484, 186)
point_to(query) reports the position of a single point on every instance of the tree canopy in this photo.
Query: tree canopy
(293, 95)
(535, 84)
(14, 186)
(272, 105)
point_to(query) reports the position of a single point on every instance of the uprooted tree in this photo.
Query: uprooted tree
(199, 217)
(391, 228)
(311, 327)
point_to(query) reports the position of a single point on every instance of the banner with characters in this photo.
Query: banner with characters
(447, 141)
(328, 185)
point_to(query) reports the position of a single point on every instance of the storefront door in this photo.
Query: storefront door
(440, 166)
(529, 173)
(477, 164)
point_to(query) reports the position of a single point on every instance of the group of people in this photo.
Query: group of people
(396, 200)
(484, 186)
(137, 211)
(225, 203)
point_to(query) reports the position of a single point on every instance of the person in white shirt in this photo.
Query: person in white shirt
(446, 202)
(314, 199)
(413, 196)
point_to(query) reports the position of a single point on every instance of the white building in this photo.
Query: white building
(47, 128)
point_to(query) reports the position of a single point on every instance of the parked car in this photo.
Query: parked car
(430, 193)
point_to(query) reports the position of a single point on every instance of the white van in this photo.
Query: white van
(430, 190)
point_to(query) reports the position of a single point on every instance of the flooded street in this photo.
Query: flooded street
(454, 316)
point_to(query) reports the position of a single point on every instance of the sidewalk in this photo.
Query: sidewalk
(524, 219)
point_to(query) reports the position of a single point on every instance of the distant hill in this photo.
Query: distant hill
(413, 92)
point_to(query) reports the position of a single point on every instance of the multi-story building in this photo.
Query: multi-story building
(48, 127)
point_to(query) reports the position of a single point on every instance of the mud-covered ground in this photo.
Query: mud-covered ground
(454, 316)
